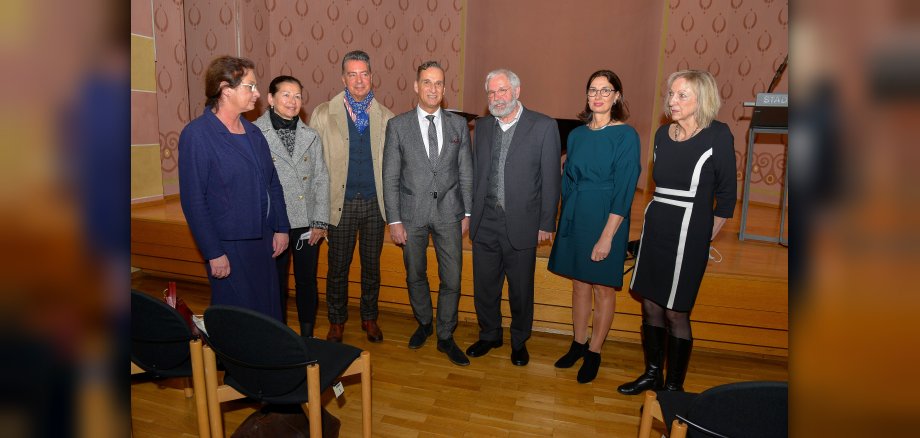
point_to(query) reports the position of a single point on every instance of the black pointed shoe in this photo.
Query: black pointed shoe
(520, 357)
(481, 347)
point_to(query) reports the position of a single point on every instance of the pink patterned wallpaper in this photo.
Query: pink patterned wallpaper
(172, 86)
(741, 42)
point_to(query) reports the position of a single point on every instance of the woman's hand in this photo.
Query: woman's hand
(316, 234)
(220, 267)
(279, 243)
(601, 250)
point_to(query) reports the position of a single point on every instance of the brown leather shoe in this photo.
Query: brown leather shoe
(373, 330)
(336, 331)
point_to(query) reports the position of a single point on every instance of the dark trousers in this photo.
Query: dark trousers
(306, 258)
(449, 251)
(494, 260)
(361, 220)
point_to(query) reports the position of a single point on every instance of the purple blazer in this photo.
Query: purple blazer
(220, 185)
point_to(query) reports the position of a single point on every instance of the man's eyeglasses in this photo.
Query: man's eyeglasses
(499, 92)
(605, 92)
(252, 87)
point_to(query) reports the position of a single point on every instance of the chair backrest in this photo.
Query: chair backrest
(263, 358)
(159, 337)
(745, 409)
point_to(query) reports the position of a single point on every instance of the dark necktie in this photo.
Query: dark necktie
(432, 140)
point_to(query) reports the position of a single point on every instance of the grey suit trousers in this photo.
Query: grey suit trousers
(449, 251)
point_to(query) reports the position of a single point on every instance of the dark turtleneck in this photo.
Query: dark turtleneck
(286, 129)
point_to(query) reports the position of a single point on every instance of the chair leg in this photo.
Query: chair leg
(366, 417)
(314, 406)
(198, 387)
(678, 429)
(648, 408)
(210, 381)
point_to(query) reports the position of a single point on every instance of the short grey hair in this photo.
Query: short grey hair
(356, 55)
(513, 78)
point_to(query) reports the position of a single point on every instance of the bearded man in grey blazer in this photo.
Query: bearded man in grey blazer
(427, 191)
(515, 197)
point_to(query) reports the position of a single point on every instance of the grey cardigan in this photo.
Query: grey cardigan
(303, 176)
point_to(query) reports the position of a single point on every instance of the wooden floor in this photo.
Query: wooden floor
(419, 393)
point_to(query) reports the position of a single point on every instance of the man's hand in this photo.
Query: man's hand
(544, 235)
(398, 234)
(464, 225)
(279, 243)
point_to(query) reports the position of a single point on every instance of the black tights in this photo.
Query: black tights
(678, 323)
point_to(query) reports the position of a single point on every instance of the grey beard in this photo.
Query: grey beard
(509, 108)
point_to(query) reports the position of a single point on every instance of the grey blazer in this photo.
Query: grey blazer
(303, 176)
(412, 186)
(532, 176)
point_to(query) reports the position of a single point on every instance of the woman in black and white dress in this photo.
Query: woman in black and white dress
(695, 193)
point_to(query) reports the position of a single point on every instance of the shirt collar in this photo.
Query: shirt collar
(421, 113)
(520, 110)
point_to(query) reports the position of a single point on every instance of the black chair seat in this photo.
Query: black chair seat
(745, 409)
(271, 372)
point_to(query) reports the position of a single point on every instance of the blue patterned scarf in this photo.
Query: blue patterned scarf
(362, 121)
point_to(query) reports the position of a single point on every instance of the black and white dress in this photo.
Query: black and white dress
(694, 180)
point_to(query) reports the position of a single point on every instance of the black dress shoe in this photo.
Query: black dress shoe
(449, 347)
(420, 336)
(481, 347)
(520, 357)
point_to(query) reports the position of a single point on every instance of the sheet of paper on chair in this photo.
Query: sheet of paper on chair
(199, 322)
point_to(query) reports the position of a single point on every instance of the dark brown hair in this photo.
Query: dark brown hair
(227, 69)
(619, 111)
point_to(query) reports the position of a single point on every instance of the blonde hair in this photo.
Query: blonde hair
(704, 86)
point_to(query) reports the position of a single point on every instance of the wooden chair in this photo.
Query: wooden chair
(163, 346)
(268, 362)
(748, 409)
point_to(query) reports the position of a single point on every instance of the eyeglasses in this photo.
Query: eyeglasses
(498, 92)
(605, 92)
(252, 87)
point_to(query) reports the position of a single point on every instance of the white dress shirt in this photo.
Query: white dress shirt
(423, 125)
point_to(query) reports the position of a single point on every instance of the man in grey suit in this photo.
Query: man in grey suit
(427, 191)
(515, 197)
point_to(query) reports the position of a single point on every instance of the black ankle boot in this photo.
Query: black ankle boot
(653, 339)
(589, 367)
(576, 351)
(306, 329)
(678, 359)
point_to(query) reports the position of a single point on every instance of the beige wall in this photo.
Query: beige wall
(146, 178)
(555, 46)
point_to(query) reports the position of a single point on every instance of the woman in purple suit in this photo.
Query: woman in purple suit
(230, 192)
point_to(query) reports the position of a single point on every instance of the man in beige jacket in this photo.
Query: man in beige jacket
(352, 126)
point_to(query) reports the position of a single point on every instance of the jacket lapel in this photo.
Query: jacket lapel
(274, 141)
(225, 134)
(523, 126)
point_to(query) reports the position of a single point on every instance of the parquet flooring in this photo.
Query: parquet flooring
(419, 393)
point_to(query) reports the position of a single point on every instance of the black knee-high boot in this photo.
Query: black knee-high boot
(678, 360)
(653, 339)
(306, 329)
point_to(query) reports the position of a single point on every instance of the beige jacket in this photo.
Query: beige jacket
(329, 119)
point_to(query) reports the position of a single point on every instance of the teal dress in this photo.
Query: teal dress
(599, 178)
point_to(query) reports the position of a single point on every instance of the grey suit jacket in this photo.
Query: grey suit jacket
(303, 176)
(410, 181)
(532, 176)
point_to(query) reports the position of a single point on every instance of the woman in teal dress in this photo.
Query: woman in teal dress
(598, 183)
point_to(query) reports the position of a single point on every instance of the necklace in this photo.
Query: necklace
(598, 128)
(678, 130)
